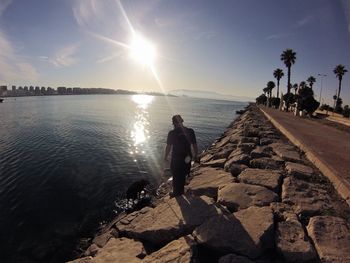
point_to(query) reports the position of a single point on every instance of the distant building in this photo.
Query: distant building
(69, 90)
(62, 90)
(37, 90)
(20, 88)
(43, 90)
(3, 90)
(14, 88)
(31, 89)
(25, 88)
(77, 90)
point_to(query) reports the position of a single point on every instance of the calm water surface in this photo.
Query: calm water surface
(62, 158)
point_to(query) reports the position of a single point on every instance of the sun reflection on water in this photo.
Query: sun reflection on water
(140, 131)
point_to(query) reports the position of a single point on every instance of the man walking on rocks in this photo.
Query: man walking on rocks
(182, 144)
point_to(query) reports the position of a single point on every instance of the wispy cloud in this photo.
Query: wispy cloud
(64, 57)
(12, 65)
(4, 4)
(277, 36)
(84, 11)
(305, 21)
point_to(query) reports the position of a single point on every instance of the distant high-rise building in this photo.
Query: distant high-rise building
(3, 90)
(37, 90)
(13, 88)
(43, 90)
(62, 90)
(20, 88)
(31, 89)
(25, 88)
(69, 90)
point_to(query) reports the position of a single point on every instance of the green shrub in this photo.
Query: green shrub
(262, 99)
(275, 102)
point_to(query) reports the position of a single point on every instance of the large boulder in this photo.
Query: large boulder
(305, 198)
(299, 170)
(261, 151)
(269, 178)
(215, 163)
(292, 243)
(254, 140)
(259, 224)
(182, 250)
(225, 234)
(206, 181)
(265, 163)
(246, 148)
(117, 250)
(331, 236)
(236, 196)
(286, 152)
(233, 258)
(225, 151)
(169, 220)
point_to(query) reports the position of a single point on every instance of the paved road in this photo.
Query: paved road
(327, 147)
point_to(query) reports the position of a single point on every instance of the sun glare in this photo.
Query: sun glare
(142, 51)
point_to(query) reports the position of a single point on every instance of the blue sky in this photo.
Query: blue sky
(231, 47)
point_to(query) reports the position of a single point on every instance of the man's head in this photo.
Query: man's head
(177, 120)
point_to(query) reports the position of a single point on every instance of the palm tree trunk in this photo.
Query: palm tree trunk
(340, 79)
(288, 88)
(278, 87)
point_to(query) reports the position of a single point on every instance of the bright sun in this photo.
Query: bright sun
(142, 50)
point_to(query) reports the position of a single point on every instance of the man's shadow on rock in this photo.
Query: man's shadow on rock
(218, 228)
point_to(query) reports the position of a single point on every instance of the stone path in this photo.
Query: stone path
(254, 198)
(327, 147)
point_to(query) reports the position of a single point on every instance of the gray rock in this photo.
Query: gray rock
(169, 220)
(271, 179)
(299, 170)
(237, 196)
(286, 152)
(283, 211)
(251, 132)
(265, 163)
(182, 250)
(225, 234)
(267, 141)
(91, 251)
(259, 224)
(215, 163)
(246, 148)
(223, 141)
(206, 181)
(305, 198)
(236, 169)
(206, 157)
(331, 236)
(225, 152)
(260, 151)
(293, 244)
(102, 239)
(232, 258)
(254, 140)
(117, 250)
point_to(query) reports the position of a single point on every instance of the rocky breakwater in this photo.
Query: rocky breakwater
(254, 198)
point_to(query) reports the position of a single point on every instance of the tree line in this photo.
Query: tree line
(303, 97)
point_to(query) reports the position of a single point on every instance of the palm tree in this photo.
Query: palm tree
(265, 90)
(288, 57)
(311, 81)
(270, 86)
(278, 74)
(339, 71)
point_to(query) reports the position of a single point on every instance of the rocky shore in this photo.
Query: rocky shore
(253, 198)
